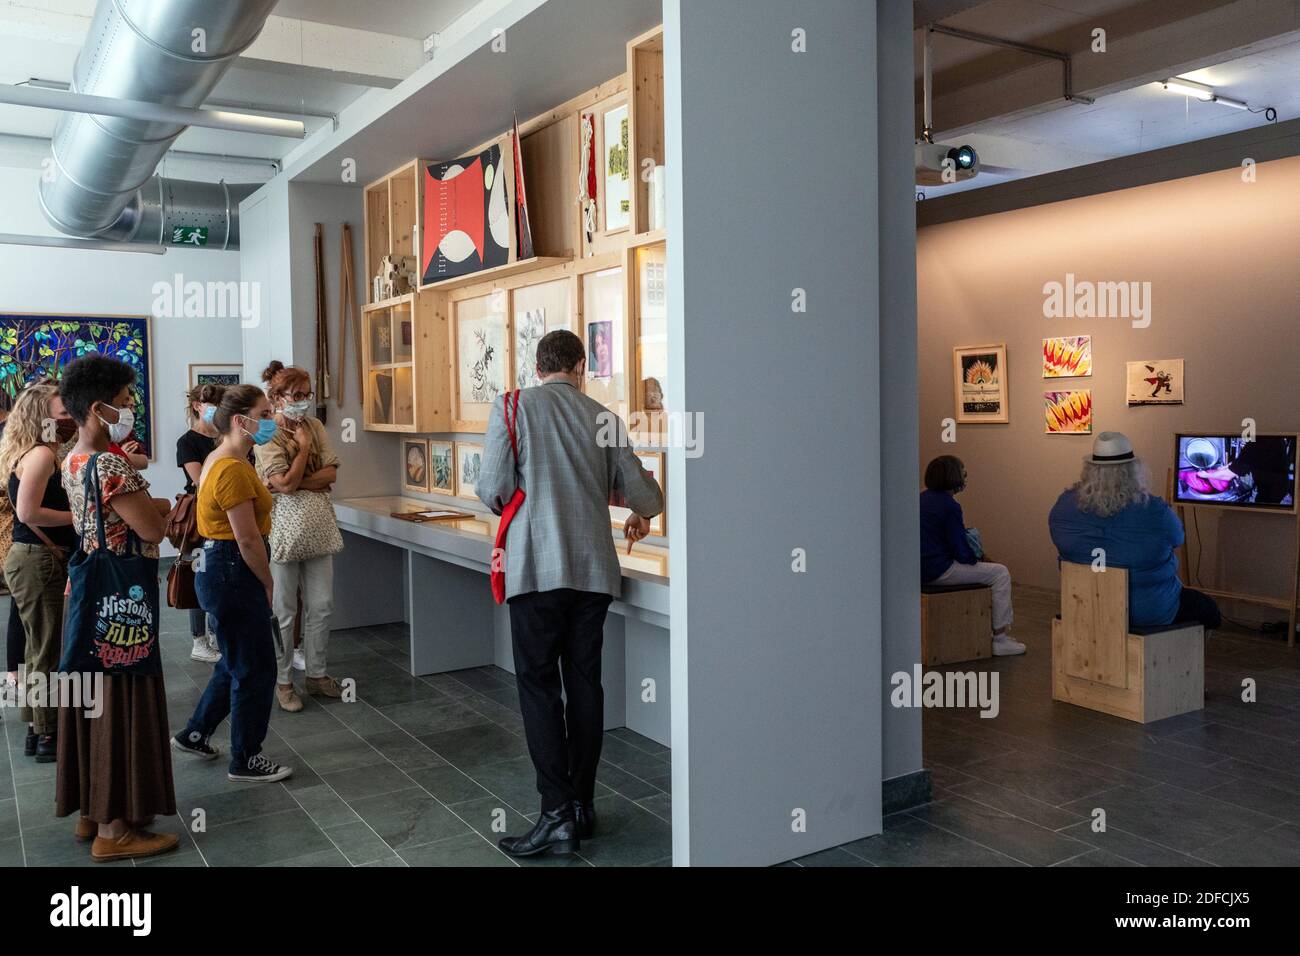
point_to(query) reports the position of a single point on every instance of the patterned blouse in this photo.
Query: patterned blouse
(116, 477)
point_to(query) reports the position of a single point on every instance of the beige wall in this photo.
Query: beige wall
(1223, 258)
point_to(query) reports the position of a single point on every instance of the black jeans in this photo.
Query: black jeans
(15, 638)
(558, 633)
(1195, 607)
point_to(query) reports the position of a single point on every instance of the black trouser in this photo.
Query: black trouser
(15, 639)
(1195, 607)
(561, 632)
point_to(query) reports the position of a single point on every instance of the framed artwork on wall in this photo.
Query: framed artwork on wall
(538, 308)
(616, 169)
(652, 462)
(219, 374)
(980, 383)
(604, 295)
(1155, 382)
(1068, 413)
(442, 467)
(1067, 356)
(415, 464)
(482, 359)
(34, 346)
(530, 326)
(469, 463)
(468, 221)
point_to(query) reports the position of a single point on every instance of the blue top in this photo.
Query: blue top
(1140, 538)
(943, 535)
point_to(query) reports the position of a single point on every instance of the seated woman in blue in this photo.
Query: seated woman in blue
(1111, 509)
(947, 556)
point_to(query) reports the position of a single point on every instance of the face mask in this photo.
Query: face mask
(64, 429)
(298, 409)
(266, 429)
(121, 429)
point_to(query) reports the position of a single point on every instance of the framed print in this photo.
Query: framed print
(538, 309)
(215, 374)
(600, 349)
(616, 168)
(468, 214)
(652, 462)
(415, 464)
(604, 295)
(1068, 413)
(530, 326)
(482, 359)
(469, 463)
(651, 330)
(980, 381)
(1067, 356)
(442, 467)
(1155, 382)
(34, 346)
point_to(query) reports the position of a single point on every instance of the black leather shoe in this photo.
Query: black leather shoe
(29, 745)
(584, 815)
(555, 831)
(47, 748)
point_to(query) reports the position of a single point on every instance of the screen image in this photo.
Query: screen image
(1229, 470)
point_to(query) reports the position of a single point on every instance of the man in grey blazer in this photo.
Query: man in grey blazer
(562, 572)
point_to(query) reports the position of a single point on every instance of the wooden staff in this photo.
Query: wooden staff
(322, 331)
(348, 311)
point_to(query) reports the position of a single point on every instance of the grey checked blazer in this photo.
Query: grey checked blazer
(561, 537)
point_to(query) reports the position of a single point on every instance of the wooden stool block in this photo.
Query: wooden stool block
(1097, 663)
(956, 625)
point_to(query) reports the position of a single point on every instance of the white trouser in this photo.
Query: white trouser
(316, 578)
(995, 576)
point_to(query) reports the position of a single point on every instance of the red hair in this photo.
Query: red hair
(281, 379)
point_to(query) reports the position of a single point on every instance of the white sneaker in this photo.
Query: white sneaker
(204, 653)
(299, 662)
(213, 646)
(1004, 646)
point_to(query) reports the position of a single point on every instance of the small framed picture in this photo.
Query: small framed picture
(600, 349)
(469, 463)
(980, 381)
(1154, 382)
(1068, 413)
(415, 464)
(442, 467)
(218, 374)
(652, 462)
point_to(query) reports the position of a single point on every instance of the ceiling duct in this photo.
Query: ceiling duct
(171, 52)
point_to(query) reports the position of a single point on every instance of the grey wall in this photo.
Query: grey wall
(772, 157)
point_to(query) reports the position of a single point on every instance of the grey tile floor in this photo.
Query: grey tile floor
(419, 770)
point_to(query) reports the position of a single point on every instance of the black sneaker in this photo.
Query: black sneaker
(29, 745)
(258, 769)
(47, 748)
(195, 744)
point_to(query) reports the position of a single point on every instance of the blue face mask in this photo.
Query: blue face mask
(266, 429)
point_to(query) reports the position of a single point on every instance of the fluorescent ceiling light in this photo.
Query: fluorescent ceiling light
(1190, 88)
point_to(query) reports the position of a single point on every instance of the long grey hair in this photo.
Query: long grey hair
(1105, 490)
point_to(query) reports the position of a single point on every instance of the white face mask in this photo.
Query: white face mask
(298, 409)
(120, 430)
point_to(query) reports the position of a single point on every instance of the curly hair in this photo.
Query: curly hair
(25, 427)
(281, 379)
(1105, 490)
(91, 379)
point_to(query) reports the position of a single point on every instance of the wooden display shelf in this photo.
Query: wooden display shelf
(645, 69)
(499, 272)
(388, 303)
(418, 384)
(392, 220)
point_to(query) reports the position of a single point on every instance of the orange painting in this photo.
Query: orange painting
(1069, 413)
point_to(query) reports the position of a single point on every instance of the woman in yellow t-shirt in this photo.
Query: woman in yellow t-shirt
(233, 581)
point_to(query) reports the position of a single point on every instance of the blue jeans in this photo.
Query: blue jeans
(243, 681)
(197, 620)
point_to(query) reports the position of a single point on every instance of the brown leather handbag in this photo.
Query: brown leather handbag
(183, 534)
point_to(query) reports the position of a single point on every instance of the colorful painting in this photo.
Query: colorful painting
(442, 477)
(36, 346)
(467, 214)
(979, 375)
(530, 326)
(469, 464)
(415, 464)
(1067, 356)
(618, 180)
(1155, 382)
(1068, 413)
(600, 349)
(222, 374)
(482, 359)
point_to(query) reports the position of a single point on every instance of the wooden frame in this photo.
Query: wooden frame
(412, 482)
(465, 415)
(215, 368)
(393, 206)
(450, 487)
(604, 239)
(645, 70)
(1003, 395)
(654, 420)
(426, 366)
(463, 448)
(659, 523)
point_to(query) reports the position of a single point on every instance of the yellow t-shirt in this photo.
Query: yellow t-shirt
(230, 482)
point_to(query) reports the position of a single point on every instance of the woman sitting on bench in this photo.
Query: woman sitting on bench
(948, 549)
(1111, 515)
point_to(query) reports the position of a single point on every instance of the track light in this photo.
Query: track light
(1203, 93)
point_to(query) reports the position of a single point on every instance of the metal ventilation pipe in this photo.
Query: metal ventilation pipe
(171, 52)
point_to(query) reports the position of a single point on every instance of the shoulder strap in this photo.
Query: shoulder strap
(91, 485)
(512, 421)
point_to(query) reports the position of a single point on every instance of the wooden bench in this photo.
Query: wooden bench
(1099, 662)
(956, 623)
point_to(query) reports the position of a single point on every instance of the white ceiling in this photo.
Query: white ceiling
(415, 19)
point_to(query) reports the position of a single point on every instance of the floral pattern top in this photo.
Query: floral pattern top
(116, 477)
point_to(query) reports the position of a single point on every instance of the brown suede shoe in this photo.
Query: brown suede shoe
(324, 687)
(86, 829)
(288, 698)
(133, 845)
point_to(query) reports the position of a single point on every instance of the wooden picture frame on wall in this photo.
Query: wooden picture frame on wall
(481, 358)
(604, 330)
(442, 467)
(415, 465)
(607, 236)
(654, 463)
(980, 384)
(469, 461)
(224, 374)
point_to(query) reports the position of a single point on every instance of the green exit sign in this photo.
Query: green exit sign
(190, 236)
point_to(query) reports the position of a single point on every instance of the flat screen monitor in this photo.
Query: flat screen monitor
(1228, 470)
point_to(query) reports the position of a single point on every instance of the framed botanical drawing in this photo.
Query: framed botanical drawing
(482, 359)
(1067, 356)
(652, 462)
(442, 467)
(530, 327)
(1155, 382)
(1068, 413)
(215, 374)
(415, 464)
(538, 309)
(34, 346)
(980, 382)
(469, 463)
